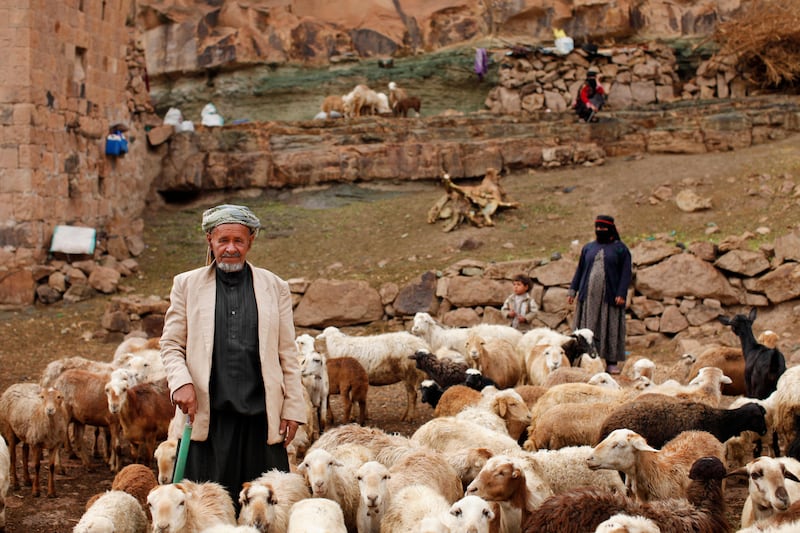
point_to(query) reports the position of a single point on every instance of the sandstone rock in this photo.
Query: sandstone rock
(781, 284)
(652, 323)
(57, 281)
(338, 303)
(418, 297)
(744, 262)
(651, 252)
(78, 293)
(388, 292)
(492, 315)
(509, 269)
(635, 327)
(141, 305)
(17, 288)
(160, 134)
(555, 300)
(555, 272)
(47, 294)
(703, 312)
(461, 318)
(104, 279)
(469, 291)
(643, 307)
(40, 272)
(550, 320)
(787, 247)
(689, 201)
(703, 250)
(672, 320)
(115, 320)
(298, 285)
(117, 247)
(135, 245)
(685, 275)
(153, 324)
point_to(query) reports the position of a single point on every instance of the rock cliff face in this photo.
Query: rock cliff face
(186, 36)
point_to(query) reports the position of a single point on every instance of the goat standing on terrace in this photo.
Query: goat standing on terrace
(762, 365)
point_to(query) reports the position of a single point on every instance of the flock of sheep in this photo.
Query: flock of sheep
(365, 101)
(529, 435)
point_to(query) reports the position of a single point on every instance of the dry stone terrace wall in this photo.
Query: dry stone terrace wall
(677, 294)
(297, 154)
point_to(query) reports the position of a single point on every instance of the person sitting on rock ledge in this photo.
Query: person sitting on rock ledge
(591, 97)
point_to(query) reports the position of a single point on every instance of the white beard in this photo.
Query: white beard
(230, 267)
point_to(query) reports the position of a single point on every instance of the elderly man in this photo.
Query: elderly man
(231, 362)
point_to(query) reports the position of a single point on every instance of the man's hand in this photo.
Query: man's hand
(186, 400)
(288, 429)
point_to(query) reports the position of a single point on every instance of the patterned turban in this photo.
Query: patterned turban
(230, 214)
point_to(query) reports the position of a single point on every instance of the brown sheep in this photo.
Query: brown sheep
(145, 411)
(333, 103)
(347, 377)
(730, 360)
(495, 358)
(402, 106)
(395, 94)
(136, 480)
(456, 398)
(36, 418)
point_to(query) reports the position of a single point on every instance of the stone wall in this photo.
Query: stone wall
(677, 294)
(70, 71)
(632, 76)
(307, 153)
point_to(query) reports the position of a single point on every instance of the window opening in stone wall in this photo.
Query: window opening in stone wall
(78, 84)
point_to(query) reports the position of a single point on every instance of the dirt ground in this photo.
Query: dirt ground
(382, 235)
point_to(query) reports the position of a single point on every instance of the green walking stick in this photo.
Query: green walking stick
(183, 451)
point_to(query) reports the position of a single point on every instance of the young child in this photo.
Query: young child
(520, 307)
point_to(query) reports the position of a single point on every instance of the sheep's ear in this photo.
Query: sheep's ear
(741, 471)
(787, 474)
(641, 444)
(726, 380)
(502, 407)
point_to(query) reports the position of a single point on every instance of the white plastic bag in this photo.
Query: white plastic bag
(564, 45)
(210, 116)
(174, 117)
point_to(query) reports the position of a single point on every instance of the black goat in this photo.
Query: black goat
(581, 341)
(762, 365)
(476, 380)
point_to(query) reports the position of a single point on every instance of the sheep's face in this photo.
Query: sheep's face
(554, 356)
(372, 483)
(312, 365)
(617, 451)
(165, 459)
(317, 468)
(258, 503)
(470, 514)
(168, 508)
(422, 323)
(767, 483)
(474, 346)
(52, 400)
(498, 479)
(116, 394)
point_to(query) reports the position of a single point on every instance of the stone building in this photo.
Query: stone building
(68, 76)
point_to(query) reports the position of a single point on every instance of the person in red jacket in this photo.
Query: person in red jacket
(591, 97)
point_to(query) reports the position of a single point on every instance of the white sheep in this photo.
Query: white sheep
(496, 359)
(622, 523)
(577, 393)
(773, 484)
(165, 455)
(228, 528)
(36, 418)
(567, 468)
(314, 374)
(333, 477)
(55, 368)
(267, 501)
(305, 344)
(787, 406)
(189, 507)
(449, 435)
(411, 505)
(384, 356)
(5, 466)
(146, 365)
(654, 474)
(316, 515)
(115, 511)
(471, 514)
(438, 336)
(705, 388)
(376, 443)
(542, 359)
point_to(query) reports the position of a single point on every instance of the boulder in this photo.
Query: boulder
(651, 252)
(781, 284)
(685, 275)
(419, 297)
(104, 279)
(17, 288)
(338, 303)
(743, 262)
(465, 291)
